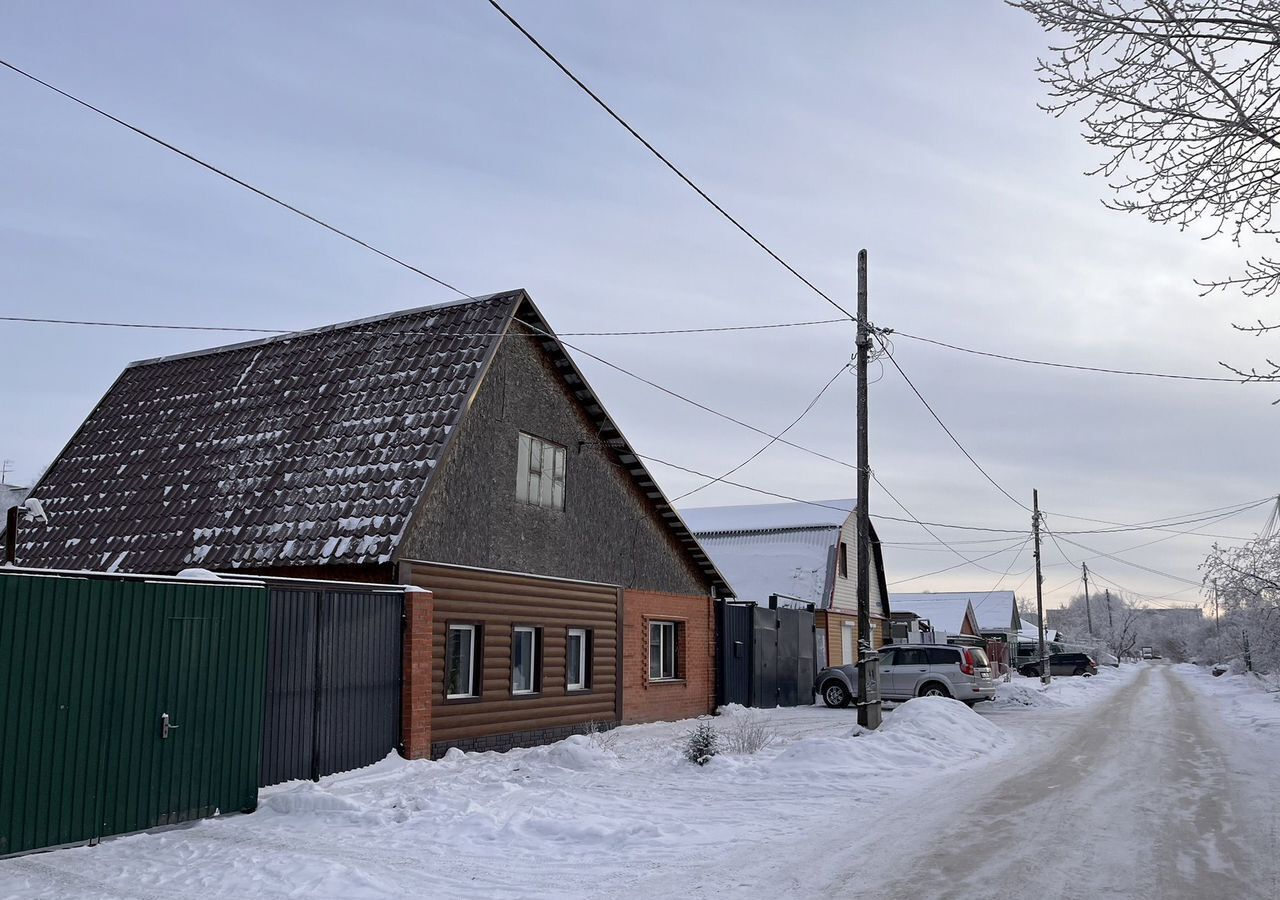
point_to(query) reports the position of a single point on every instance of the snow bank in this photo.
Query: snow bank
(1248, 699)
(1062, 691)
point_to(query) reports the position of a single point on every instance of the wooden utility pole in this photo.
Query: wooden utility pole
(1035, 531)
(1088, 612)
(868, 659)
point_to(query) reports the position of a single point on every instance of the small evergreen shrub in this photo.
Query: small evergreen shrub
(701, 744)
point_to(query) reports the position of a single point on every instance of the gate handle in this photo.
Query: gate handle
(165, 726)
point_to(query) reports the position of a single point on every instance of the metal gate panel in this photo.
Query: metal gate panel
(806, 667)
(764, 662)
(334, 672)
(360, 672)
(788, 656)
(288, 733)
(87, 667)
(733, 653)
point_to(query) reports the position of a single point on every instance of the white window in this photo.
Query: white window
(540, 472)
(524, 651)
(576, 660)
(459, 662)
(664, 651)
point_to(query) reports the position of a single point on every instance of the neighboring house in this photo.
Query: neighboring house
(946, 612)
(10, 496)
(803, 552)
(454, 447)
(995, 613)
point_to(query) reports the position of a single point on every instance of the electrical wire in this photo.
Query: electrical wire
(1165, 523)
(663, 159)
(969, 456)
(816, 503)
(1000, 581)
(844, 367)
(1017, 543)
(1123, 561)
(232, 178)
(913, 518)
(1058, 365)
(279, 331)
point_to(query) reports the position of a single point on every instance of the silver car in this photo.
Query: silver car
(916, 670)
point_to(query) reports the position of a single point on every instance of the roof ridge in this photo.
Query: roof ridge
(514, 294)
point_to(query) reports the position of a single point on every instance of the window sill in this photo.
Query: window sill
(666, 681)
(470, 698)
(577, 690)
(525, 695)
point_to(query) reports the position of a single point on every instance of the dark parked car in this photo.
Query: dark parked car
(1063, 664)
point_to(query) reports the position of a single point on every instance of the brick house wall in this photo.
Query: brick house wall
(693, 693)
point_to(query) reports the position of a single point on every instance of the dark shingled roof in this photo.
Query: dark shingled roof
(312, 448)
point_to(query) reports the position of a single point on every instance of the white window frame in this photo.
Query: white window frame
(534, 484)
(470, 680)
(657, 629)
(583, 659)
(533, 659)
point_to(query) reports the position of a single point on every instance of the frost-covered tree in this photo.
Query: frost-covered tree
(1183, 97)
(1246, 579)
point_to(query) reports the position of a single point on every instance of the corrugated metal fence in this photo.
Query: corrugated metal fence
(91, 669)
(333, 681)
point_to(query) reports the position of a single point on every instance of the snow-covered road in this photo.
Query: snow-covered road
(1147, 794)
(1132, 784)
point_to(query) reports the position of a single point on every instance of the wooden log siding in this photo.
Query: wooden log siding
(498, 602)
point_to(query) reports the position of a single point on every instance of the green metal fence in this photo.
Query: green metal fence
(91, 669)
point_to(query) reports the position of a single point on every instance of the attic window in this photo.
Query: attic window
(540, 472)
(844, 560)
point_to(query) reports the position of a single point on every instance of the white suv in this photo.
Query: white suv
(916, 670)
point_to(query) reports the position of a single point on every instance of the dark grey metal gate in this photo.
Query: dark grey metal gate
(333, 680)
(733, 653)
(764, 656)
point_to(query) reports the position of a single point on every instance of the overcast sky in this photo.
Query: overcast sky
(439, 134)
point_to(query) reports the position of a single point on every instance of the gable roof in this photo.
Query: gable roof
(945, 612)
(310, 448)
(779, 548)
(768, 516)
(994, 610)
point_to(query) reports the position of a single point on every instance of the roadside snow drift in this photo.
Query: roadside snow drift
(544, 821)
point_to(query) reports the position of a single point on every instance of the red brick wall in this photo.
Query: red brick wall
(415, 695)
(694, 693)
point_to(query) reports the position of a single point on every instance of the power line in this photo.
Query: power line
(1017, 543)
(913, 518)
(844, 367)
(1166, 522)
(1123, 561)
(232, 178)
(969, 456)
(819, 504)
(665, 161)
(1001, 579)
(1058, 365)
(279, 331)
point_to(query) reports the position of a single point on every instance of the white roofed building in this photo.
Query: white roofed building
(805, 552)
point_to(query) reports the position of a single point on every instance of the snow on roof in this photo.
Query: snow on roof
(945, 612)
(767, 517)
(994, 609)
(796, 562)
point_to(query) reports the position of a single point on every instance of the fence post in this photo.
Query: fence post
(415, 693)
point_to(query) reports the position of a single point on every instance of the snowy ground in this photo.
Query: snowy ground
(941, 802)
